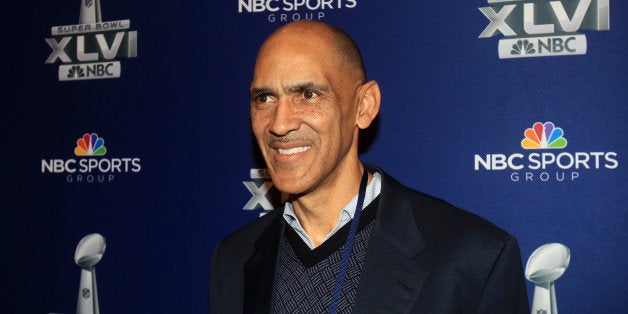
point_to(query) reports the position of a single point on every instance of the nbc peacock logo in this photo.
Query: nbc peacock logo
(91, 166)
(544, 162)
(90, 145)
(544, 136)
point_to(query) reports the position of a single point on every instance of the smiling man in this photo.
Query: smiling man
(350, 237)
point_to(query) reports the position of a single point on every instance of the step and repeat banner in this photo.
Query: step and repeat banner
(130, 153)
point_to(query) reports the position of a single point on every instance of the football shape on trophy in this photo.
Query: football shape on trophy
(545, 265)
(88, 253)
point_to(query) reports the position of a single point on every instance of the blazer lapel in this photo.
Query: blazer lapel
(259, 271)
(391, 280)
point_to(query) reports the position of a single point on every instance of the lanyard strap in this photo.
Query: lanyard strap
(346, 253)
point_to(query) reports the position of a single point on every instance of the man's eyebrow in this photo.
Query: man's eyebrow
(305, 86)
(294, 88)
(257, 91)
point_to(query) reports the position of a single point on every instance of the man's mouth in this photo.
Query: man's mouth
(294, 150)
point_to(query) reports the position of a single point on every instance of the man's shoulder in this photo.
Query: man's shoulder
(445, 225)
(235, 249)
(435, 217)
(250, 233)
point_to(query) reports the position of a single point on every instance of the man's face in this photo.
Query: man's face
(303, 112)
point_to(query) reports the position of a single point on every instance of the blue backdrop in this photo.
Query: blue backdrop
(169, 98)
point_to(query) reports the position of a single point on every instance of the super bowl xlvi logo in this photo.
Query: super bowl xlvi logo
(91, 166)
(264, 195)
(546, 162)
(538, 28)
(294, 10)
(89, 50)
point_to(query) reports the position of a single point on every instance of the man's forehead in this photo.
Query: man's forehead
(289, 70)
(296, 54)
(296, 49)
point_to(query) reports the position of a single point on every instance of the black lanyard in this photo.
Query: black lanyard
(346, 253)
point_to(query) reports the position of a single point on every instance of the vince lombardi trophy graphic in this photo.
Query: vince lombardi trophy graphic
(545, 265)
(90, 12)
(88, 253)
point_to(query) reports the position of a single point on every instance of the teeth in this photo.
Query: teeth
(296, 150)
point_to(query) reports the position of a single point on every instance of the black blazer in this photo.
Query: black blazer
(425, 256)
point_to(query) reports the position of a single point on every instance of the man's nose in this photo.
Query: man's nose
(286, 118)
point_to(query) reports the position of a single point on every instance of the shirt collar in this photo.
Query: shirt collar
(372, 191)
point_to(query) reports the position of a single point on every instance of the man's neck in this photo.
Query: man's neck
(318, 211)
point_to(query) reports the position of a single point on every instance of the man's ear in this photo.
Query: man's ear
(368, 104)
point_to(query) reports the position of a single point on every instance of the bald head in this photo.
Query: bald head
(335, 42)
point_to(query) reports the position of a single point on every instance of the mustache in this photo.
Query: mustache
(285, 140)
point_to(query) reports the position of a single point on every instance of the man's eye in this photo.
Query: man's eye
(309, 94)
(263, 98)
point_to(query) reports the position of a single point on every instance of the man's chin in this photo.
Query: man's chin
(292, 185)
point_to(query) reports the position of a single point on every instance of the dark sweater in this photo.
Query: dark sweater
(305, 278)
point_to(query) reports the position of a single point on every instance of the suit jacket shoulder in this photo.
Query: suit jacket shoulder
(448, 227)
(228, 271)
(428, 256)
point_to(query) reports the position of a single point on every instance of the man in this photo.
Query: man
(350, 237)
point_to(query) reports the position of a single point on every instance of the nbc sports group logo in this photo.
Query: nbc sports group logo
(91, 166)
(294, 10)
(264, 195)
(88, 50)
(538, 28)
(545, 162)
